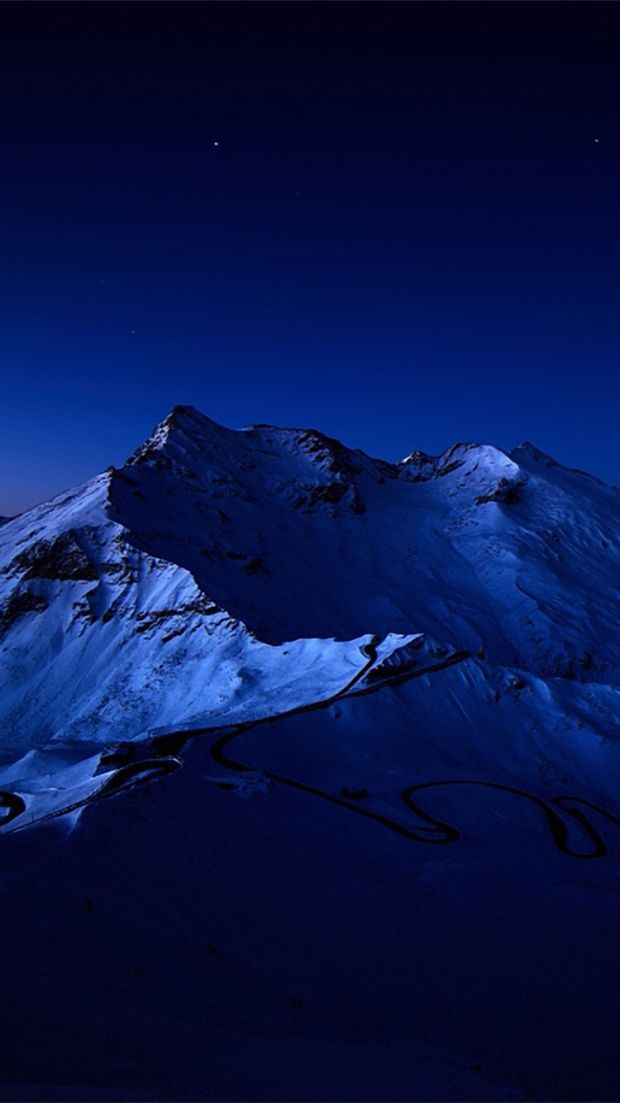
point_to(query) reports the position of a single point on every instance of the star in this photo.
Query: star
(596, 141)
(216, 143)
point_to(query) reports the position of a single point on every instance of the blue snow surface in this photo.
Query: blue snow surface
(309, 767)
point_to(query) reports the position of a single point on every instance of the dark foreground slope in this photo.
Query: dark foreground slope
(381, 869)
(192, 940)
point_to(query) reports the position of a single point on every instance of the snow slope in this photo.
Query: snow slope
(382, 702)
(451, 545)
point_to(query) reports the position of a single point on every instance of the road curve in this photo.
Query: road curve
(15, 805)
(135, 773)
(437, 832)
(166, 749)
(432, 830)
(440, 832)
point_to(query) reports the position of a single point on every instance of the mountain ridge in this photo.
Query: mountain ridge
(212, 547)
(313, 759)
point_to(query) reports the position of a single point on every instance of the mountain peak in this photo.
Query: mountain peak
(189, 420)
(529, 449)
(466, 455)
(183, 421)
(543, 459)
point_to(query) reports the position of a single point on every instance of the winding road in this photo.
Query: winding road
(440, 832)
(13, 804)
(129, 776)
(431, 830)
(437, 832)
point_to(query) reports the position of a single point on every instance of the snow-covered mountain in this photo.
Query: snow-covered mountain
(413, 671)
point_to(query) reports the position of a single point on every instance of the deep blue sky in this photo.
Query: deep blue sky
(406, 236)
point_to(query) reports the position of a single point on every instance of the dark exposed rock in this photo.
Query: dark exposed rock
(449, 467)
(20, 603)
(508, 492)
(201, 607)
(330, 451)
(255, 566)
(331, 493)
(61, 560)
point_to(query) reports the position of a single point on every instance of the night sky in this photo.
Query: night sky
(395, 222)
